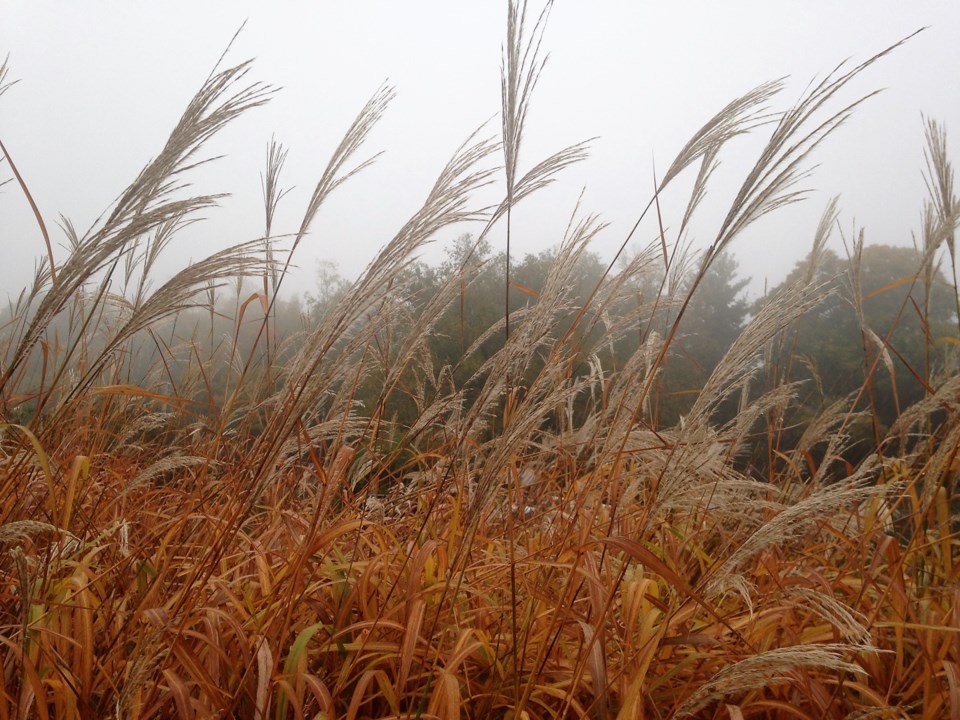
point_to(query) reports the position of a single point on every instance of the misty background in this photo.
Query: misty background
(103, 83)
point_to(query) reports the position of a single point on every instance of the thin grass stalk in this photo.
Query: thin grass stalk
(33, 205)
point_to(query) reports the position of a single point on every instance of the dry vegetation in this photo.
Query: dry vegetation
(257, 545)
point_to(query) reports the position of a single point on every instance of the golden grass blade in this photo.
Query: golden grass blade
(952, 672)
(79, 469)
(31, 686)
(649, 560)
(597, 666)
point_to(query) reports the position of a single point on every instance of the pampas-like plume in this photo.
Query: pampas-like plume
(146, 205)
(850, 623)
(521, 70)
(4, 71)
(360, 314)
(519, 75)
(942, 209)
(272, 195)
(173, 296)
(770, 184)
(525, 409)
(334, 175)
(770, 668)
(829, 425)
(739, 117)
(796, 519)
(939, 181)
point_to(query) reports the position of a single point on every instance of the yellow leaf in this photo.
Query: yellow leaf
(890, 286)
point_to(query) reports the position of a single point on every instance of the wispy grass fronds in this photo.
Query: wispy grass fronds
(771, 183)
(827, 427)
(148, 204)
(335, 173)
(359, 315)
(739, 117)
(520, 72)
(4, 72)
(772, 667)
(741, 359)
(272, 195)
(942, 211)
(794, 520)
(939, 180)
(179, 294)
(549, 390)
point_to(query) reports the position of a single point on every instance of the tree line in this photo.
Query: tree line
(884, 333)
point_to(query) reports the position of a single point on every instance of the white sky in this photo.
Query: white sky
(103, 83)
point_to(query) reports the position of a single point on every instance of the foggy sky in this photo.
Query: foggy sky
(103, 83)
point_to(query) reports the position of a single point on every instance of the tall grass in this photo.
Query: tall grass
(227, 532)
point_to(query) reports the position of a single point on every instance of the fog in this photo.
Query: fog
(103, 83)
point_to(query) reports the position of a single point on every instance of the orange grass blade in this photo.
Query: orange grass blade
(79, 468)
(445, 700)
(181, 694)
(134, 391)
(410, 637)
(645, 556)
(29, 691)
(36, 211)
(952, 671)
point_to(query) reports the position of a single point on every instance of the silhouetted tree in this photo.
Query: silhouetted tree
(897, 344)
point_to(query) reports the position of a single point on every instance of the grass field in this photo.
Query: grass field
(195, 527)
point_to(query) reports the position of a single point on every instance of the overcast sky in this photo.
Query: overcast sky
(103, 83)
